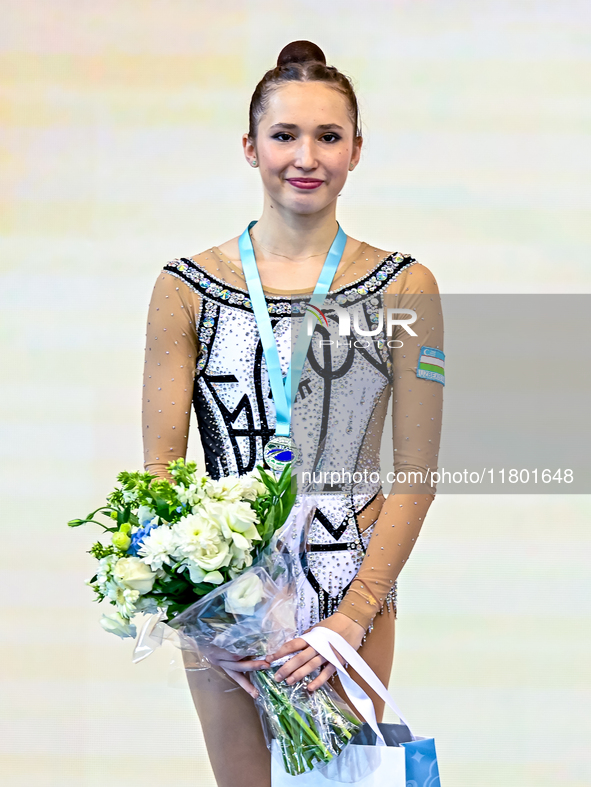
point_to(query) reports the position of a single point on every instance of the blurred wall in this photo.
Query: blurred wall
(120, 149)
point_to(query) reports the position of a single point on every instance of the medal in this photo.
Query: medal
(281, 448)
(279, 451)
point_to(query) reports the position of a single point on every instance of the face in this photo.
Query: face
(305, 146)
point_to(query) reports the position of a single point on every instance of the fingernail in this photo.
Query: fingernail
(278, 677)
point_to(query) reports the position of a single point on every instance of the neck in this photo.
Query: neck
(294, 235)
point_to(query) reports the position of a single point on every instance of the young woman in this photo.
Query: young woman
(204, 347)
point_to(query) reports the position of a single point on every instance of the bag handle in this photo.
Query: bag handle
(328, 643)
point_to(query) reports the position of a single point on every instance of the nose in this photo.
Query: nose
(306, 155)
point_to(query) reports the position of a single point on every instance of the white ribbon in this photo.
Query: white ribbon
(328, 643)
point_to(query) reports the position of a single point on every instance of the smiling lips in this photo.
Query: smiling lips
(305, 183)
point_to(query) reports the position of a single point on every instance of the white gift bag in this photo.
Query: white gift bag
(375, 766)
(378, 765)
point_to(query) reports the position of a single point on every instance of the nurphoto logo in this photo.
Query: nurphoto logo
(391, 318)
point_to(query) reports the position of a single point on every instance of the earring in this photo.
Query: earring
(253, 163)
(351, 167)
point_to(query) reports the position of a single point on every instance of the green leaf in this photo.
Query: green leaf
(268, 480)
(288, 500)
(201, 588)
(269, 527)
(285, 478)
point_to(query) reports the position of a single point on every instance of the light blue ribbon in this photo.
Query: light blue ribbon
(281, 389)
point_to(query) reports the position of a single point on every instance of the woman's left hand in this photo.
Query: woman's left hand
(308, 660)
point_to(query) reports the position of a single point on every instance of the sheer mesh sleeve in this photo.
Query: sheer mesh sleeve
(416, 412)
(171, 353)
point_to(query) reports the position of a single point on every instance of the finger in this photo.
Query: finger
(290, 647)
(295, 662)
(306, 669)
(321, 679)
(243, 681)
(243, 666)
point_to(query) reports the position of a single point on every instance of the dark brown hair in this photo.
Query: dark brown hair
(301, 61)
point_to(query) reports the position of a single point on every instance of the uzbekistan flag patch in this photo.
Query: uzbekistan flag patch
(431, 365)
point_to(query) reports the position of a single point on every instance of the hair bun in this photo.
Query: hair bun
(300, 52)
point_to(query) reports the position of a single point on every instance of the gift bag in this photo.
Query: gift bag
(380, 755)
(361, 766)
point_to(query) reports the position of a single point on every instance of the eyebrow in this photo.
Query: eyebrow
(292, 126)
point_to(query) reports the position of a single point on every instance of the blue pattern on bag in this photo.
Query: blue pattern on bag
(421, 764)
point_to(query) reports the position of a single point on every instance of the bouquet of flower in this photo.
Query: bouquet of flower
(220, 560)
(255, 614)
(172, 542)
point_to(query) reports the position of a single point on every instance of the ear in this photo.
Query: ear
(356, 154)
(249, 149)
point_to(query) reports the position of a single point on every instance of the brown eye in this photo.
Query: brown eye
(282, 136)
(330, 137)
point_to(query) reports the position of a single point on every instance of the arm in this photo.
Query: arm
(416, 414)
(171, 355)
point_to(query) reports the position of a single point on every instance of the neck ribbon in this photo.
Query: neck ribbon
(281, 448)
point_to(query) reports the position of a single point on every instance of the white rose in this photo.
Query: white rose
(241, 559)
(244, 594)
(117, 624)
(197, 574)
(252, 486)
(133, 573)
(234, 518)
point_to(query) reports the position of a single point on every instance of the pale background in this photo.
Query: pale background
(120, 149)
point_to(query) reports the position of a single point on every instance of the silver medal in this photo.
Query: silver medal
(279, 451)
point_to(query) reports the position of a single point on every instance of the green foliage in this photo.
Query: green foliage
(273, 509)
(100, 551)
(173, 589)
(183, 472)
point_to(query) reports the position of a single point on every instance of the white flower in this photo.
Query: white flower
(125, 598)
(241, 559)
(129, 495)
(105, 569)
(134, 574)
(194, 493)
(158, 546)
(235, 520)
(147, 605)
(244, 594)
(116, 624)
(146, 515)
(252, 486)
(197, 574)
(201, 541)
(228, 488)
